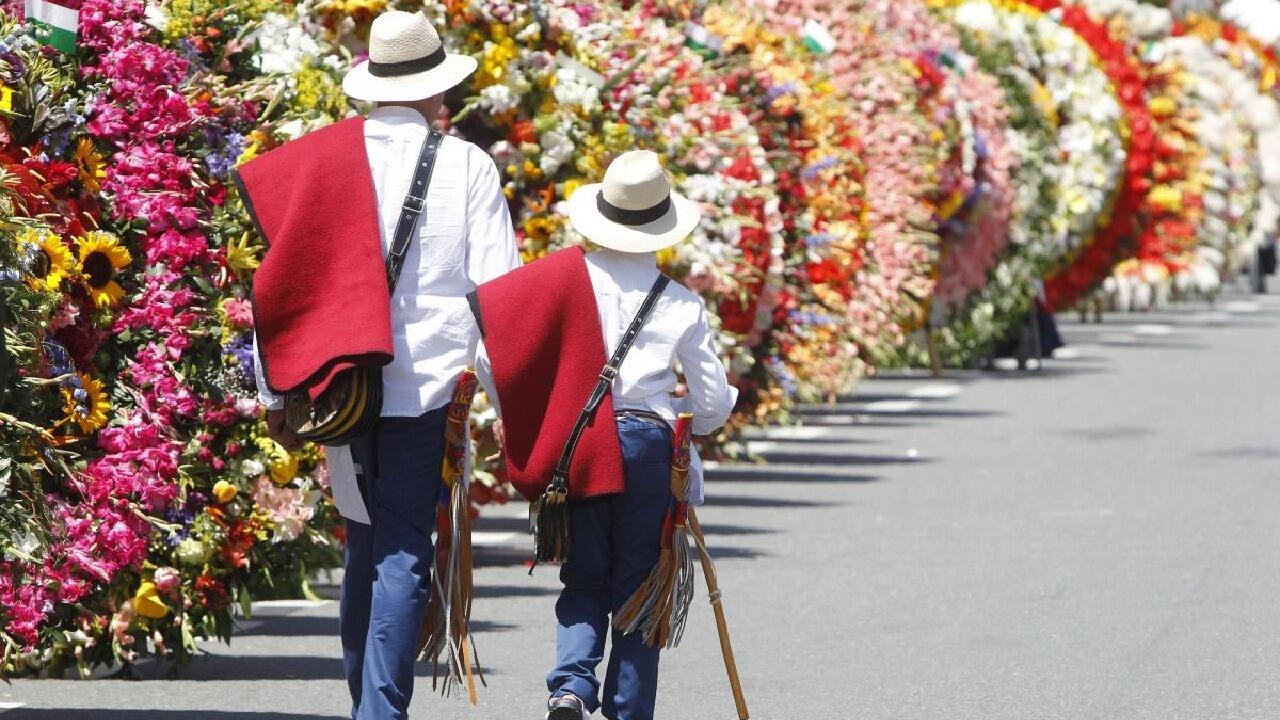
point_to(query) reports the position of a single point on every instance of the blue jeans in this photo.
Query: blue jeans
(386, 586)
(615, 544)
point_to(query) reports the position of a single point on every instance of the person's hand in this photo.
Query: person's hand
(279, 431)
(500, 433)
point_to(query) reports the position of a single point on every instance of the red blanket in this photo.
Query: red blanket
(320, 298)
(546, 348)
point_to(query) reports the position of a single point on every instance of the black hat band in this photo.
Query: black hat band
(623, 216)
(408, 67)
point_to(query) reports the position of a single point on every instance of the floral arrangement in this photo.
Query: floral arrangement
(1261, 107)
(1076, 96)
(146, 503)
(1116, 233)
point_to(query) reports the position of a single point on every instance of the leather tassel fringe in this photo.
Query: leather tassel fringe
(446, 629)
(660, 606)
(549, 524)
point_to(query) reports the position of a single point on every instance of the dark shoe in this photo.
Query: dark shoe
(565, 707)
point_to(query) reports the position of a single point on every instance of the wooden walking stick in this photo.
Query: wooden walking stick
(659, 608)
(722, 625)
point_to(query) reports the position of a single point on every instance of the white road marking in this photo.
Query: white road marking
(10, 706)
(1211, 317)
(936, 392)
(892, 406)
(1118, 339)
(484, 538)
(291, 604)
(1152, 329)
(1067, 353)
(1243, 306)
(797, 432)
(1068, 514)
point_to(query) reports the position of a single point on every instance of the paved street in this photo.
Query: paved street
(1097, 540)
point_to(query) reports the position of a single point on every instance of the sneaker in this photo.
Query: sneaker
(566, 707)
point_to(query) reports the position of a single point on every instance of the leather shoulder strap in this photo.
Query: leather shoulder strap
(605, 382)
(412, 208)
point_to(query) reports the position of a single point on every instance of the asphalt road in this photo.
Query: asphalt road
(1096, 540)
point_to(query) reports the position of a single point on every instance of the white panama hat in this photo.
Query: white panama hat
(634, 209)
(406, 62)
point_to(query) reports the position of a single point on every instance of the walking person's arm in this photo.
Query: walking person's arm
(276, 428)
(711, 397)
(491, 242)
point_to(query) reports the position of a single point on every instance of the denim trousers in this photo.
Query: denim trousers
(615, 543)
(386, 585)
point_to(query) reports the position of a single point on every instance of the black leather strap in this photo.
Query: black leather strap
(412, 208)
(605, 381)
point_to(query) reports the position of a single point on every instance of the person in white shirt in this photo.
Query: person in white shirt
(615, 538)
(464, 238)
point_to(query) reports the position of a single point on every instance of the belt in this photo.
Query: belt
(647, 415)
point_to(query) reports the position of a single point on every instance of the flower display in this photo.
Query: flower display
(877, 179)
(136, 423)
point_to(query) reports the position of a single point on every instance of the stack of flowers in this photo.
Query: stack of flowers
(976, 173)
(1259, 101)
(902, 148)
(812, 352)
(155, 505)
(1118, 228)
(1076, 97)
(1172, 209)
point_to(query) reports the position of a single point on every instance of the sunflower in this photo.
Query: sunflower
(51, 260)
(86, 405)
(93, 169)
(101, 255)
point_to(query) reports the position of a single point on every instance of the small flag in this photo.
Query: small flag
(817, 38)
(54, 25)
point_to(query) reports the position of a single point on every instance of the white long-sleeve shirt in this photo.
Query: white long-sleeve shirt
(464, 238)
(676, 334)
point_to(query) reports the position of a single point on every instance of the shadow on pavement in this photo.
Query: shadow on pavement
(300, 625)
(78, 714)
(213, 667)
(753, 501)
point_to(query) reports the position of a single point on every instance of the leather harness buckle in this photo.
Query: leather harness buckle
(609, 373)
(413, 204)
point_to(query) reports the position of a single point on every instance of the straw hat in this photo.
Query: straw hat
(634, 209)
(406, 62)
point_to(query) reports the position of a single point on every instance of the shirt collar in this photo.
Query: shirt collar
(396, 115)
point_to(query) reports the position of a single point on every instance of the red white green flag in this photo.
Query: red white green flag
(55, 25)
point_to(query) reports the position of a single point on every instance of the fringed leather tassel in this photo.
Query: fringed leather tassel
(549, 523)
(660, 606)
(446, 628)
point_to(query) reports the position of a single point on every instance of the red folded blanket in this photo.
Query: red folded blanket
(320, 298)
(546, 348)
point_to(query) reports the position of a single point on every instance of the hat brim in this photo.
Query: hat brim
(676, 225)
(361, 84)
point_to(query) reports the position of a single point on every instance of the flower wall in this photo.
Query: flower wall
(880, 181)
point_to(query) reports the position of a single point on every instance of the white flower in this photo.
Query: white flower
(252, 468)
(155, 17)
(499, 99)
(573, 90)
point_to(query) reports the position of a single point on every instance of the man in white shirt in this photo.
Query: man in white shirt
(464, 238)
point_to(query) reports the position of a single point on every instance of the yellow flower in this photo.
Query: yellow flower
(101, 255)
(93, 169)
(570, 187)
(52, 261)
(282, 464)
(242, 255)
(87, 405)
(147, 603)
(224, 492)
